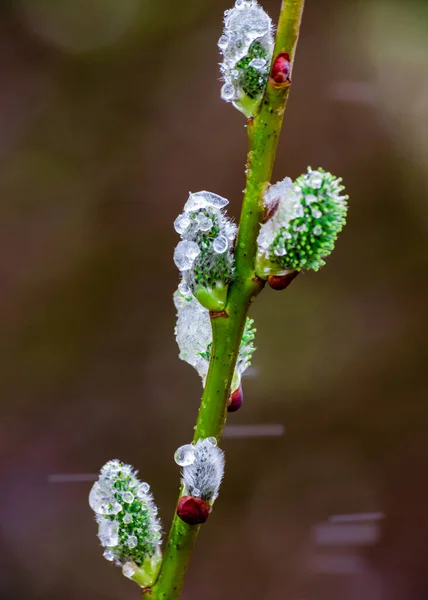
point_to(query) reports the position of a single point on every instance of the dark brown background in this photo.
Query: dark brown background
(109, 114)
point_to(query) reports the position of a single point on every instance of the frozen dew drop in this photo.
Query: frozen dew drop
(144, 486)
(128, 570)
(108, 554)
(103, 502)
(132, 541)
(184, 289)
(204, 223)
(213, 200)
(257, 63)
(300, 228)
(182, 223)
(316, 213)
(310, 198)
(231, 230)
(128, 497)
(227, 92)
(185, 254)
(185, 455)
(317, 230)
(223, 42)
(108, 533)
(280, 251)
(195, 202)
(212, 440)
(127, 518)
(220, 244)
(196, 492)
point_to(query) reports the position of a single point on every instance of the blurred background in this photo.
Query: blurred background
(110, 113)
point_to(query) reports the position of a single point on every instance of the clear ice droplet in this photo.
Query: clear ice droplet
(127, 518)
(212, 440)
(128, 570)
(223, 42)
(316, 213)
(317, 230)
(257, 63)
(280, 251)
(220, 244)
(204, 223)
(185, 455)
(185, 254)
(196, 492)
(132, 541)
(108, 532)
(108, 555)
(184, 289)
(181, 224)
(103, 502)
(128, 497)
(227, 92)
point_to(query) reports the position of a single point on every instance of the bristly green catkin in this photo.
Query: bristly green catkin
(309, 216)
(129, 528)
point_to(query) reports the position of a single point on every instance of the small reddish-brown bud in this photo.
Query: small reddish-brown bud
(236, 400)
(193, 511)
(280, 73)
(280, 282)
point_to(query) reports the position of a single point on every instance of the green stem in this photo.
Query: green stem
(263, 134)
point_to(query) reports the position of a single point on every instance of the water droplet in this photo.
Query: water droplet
(184, 289)
(127, 518)
(108, 532)
(182, 224)
(108, 555)
(128, 570)
(196, 493)
(317, 230)
(185, 455)
(231, 230)
(102, 501)
(132, 541)
(227, 92)
(223, 42)
(220, 244)
(128, 497)
(204, 223)
(310, 198)
(185, 254)
(300, 228)
(280, 251)
(212, 440)
(316, 213)
(257, 63)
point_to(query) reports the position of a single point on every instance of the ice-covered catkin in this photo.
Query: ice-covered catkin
(204, 255)
(128, 526)
(202, 473)
(247, 47)
(305, 220)
(194, 336)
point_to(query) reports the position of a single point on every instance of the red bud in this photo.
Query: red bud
(236, 400)
(193, 511)
(280, 73)
(280, 282)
